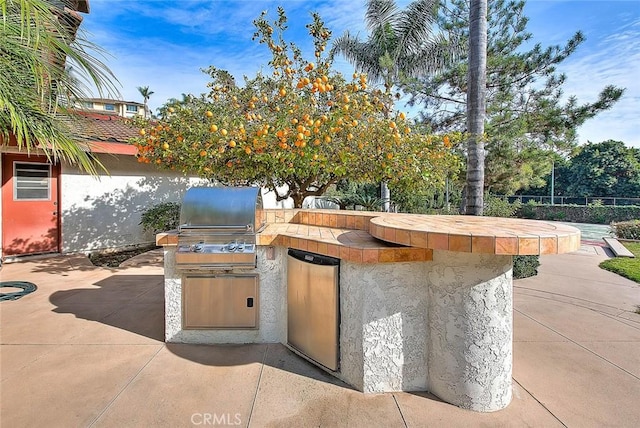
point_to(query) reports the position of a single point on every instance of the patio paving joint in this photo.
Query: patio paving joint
(404, 421)
(579, 345)
(113, 400)
(255, 395)
(532, 395)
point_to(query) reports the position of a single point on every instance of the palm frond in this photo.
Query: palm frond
(381, 13)
(415, 26)
(35, 44)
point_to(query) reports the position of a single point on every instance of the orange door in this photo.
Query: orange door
(30, 221)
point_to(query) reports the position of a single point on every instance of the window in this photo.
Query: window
(110, 107)
(132, 108)
(87, 104)
(32, 181)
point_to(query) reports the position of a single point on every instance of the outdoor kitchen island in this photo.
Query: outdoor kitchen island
(425, 302)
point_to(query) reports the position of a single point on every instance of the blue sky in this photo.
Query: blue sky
(163, 44)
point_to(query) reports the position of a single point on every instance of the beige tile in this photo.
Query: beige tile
(386, 255)
(322, 248)
(355, 255)
(401, 255)
(549, 245)
(333, 220)
(369, 255)
(483, 244)
(460, 243)
(528, 246)
(403, 237)
(438, 241)
(351, 222)
(389, 234)
(344, 252)
(333, 250)
(418, 239)
(312, 246)
(506, 245)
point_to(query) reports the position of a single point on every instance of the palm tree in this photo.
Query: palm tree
(146, 94)
(401, 45)
(36, 41)
(477, 82)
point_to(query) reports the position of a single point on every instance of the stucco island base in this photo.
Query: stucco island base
(426, 302)
(443, 326)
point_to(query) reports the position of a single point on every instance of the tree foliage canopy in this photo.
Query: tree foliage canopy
(605, 169)
(303, 125)
(527, 114)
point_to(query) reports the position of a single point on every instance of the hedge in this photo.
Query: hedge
(594, 214)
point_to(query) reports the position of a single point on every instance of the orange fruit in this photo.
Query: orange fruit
(165, 146)
(142, 132)
(213, 128)
(209, 114)
(224, 132)
(203, 153)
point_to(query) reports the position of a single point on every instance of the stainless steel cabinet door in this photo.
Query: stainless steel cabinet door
(224, 301)
(312, 305)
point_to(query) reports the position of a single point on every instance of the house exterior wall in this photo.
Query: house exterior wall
(105, 212)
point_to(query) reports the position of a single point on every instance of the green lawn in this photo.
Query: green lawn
(624, 266)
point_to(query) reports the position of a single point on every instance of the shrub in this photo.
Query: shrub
(161, 217)
(593, 213)
(525, 266)
(498, 207)
(627, 229)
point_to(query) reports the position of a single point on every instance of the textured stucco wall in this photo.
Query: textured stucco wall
(444, 326)
(382, 331)
(471, 329)
(105, 212)
(272, 310)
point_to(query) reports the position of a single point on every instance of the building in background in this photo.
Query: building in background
(111, 107)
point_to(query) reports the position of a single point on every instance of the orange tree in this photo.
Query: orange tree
(295, 130)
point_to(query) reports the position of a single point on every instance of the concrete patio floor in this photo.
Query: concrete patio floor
(86, 350)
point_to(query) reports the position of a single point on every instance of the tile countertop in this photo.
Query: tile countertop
(469, 234)
(375, 237)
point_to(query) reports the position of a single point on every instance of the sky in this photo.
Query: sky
(164, 44)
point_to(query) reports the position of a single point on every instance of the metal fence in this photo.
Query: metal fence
(574, 200)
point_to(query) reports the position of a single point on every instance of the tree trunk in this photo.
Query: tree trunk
(476, 105)
(385, 195)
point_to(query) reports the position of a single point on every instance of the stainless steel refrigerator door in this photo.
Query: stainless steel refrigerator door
(312, 305)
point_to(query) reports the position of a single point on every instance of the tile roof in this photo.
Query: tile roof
(102, 132)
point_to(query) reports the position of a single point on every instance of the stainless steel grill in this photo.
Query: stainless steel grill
(218, 227)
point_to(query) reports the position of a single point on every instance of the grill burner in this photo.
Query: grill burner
(231, 247)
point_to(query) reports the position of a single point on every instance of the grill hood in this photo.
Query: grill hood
(225, 208)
